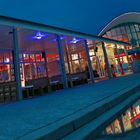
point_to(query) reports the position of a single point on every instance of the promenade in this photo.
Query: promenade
(29, 118)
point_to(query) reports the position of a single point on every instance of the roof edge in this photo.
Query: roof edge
(126, 17)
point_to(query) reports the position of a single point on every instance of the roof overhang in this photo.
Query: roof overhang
(124, 18)
(52, 29)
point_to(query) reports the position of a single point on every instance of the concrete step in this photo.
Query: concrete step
(94, 128)
(89, 120)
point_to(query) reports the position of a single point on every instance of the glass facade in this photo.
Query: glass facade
(40, 63)
(34, 66)
(129, 32)
(6, 67)
(130, 119)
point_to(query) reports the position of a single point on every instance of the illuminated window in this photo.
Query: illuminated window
(74, 56)
(91, 52)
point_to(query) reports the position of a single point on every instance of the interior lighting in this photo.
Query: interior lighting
(39, 35)
(24, 55)
(62, 37)
(7, 60)
(74, 40)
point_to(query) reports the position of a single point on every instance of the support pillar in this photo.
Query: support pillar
(139, 103)
(121, 124)
(126, 53)
(46, 68)
(62, 62)
(134, 125)
(17, 64)
(89, 62)
(119, 61)
(106, 60)
(67, 55)
(113, 128)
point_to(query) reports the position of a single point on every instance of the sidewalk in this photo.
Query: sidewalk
(22, 118)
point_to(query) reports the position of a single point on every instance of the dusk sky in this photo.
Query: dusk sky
(89, 16)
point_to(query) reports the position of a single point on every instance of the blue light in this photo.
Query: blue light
(62, 38)
(74, 40)
(39, 35)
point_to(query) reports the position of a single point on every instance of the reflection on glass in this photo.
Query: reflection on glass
(130, 118)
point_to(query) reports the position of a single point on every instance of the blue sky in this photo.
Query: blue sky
(88, 16)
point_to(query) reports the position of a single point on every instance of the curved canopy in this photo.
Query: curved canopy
(89, 16)
(125, 18)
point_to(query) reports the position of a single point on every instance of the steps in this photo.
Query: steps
(89, 121)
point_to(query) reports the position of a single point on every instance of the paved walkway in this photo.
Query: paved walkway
(21, 118)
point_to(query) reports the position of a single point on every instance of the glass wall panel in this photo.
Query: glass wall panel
(128, 32)
(7, 73)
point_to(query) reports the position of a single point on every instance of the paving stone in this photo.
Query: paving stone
(22, 118)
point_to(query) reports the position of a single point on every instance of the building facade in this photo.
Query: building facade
(125, 28)
(35, 59)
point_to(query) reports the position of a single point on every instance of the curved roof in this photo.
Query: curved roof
(125, 18)
(89, 16)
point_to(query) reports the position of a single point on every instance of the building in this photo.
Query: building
(125, 28)
(36, 57)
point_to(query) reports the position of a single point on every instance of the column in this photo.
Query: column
(17, 64)
(67, 55)
(106, 60)
(119, 61)
(126, 53)
(121, 124)
(62, 62)
(139, 103)
(89, 62)
(113, 128)
(46, 69)
(134, 125)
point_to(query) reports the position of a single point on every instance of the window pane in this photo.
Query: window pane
(129, 36)
(123, 31)
(83, 64)
(138, 33)
(132, 28)
(32, 58)
(74, 56)
(118, 31)
(91, 52)
(125, 38)
(120, 38)
(76, 66)
(127, 29)
(136, 27)
(134, 35)
(113, 32)
(108, 34)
